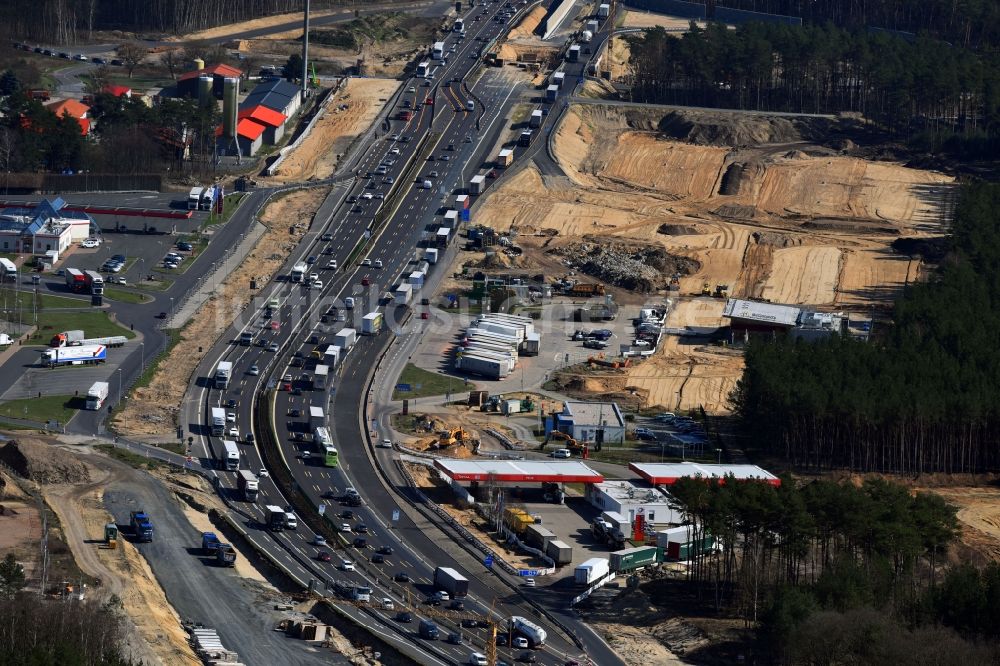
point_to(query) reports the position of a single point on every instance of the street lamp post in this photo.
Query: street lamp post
(119, 387)
(142, 357)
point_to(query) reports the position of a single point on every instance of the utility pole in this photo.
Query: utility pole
(305, 52)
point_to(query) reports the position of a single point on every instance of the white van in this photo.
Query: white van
(349, 303)
(562, 453)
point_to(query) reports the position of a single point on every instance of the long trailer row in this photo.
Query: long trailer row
(492, 344)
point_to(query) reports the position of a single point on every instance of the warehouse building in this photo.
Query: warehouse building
(44, 229)
(666, 474)
(272, 121)
(590, 422)
(756, 318)
(631, 499)
(187, 83)
(277, 94)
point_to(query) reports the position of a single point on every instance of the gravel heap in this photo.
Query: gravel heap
(636, 267)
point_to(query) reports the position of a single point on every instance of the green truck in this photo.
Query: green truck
(632, 558)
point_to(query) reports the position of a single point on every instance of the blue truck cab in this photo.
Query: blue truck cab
(141, 525)
(209, 543)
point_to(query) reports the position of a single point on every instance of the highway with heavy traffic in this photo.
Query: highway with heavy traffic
(363, 241)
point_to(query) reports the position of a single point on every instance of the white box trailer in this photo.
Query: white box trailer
(502, 329)
(403, 293)
(473, 334)
(451, 219)
(536, 118)
(510, 320)
(505, 357)
(97, 394)
(317, 419)
(484, 367)
(480, 347)
(431, 255)
(591, 570)
(552, 93)
(321, 375)
(416, 279)
(331, 356)
(345, 339)
(477, 184)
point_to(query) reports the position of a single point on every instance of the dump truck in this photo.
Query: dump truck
(85, 355)
(223, 373)
(451, 581)
(97, 394)
(225, 555)
(141, 526)
(586, 289)
(248, 484)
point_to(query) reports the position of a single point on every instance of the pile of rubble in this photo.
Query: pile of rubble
(642, 268)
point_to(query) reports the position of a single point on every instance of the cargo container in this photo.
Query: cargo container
(536, 118)
(477, 184)
(442, 237)
(403, 294)
(462, 201)
(451, 219)
(551, 93)
(317, 419)
(345, 339)
(574, 53)
(415, 279)
(431, 255)
(604, 10)
(505, 157)
(371, 323)
(482, 366)
(508, 407)
(560, 552)
(96, 395)
(517, 520)
(535, 535)
(320, 377)
(448, 579)
(633, 558)
(590, 571)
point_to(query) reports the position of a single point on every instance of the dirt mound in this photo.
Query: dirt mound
(637, 267)
(678, 230)
(735, 129)
(42, 463)
(778, 239)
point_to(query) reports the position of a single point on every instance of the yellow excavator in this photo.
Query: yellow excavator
(570, 443)
(706, 289)
(461, 436)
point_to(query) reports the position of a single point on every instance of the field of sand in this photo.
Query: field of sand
(526, 28)
(639, 19)
(152, 410)
(253, 24)
(347, 114)
(800, 224)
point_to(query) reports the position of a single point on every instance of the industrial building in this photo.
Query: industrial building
(590, 422)
(665, 474)
(756, 318)
(277, 94)
(631, 499)
(187, 83)
(43, 230)
(272, 122)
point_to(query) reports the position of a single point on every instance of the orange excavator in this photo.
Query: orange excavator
(570, 443)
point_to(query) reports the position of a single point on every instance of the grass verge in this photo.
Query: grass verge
(173, 337)
(129, 458)
(59, 408)
(27, 298)
(94, 324)
(125, 296)
(424, 383)
(229, 204)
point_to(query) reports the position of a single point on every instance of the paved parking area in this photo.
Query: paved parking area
(556, 326)
(64, 381)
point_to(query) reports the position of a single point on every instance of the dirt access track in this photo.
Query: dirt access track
(776, 208)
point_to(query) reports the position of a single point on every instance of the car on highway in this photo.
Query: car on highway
(378, 559)
(529, 582)
(346, 565)
(367, 196)
(527, 657)
(401, 577)
(275, 325)
(332, 264)
(319, 540)
(230, 417)
(365, 281)
(323, 556)
(90, 243)
(314, 276)
(231, 404)
(394, 151)
(434, 174)
(294, 413)
(234, 432)
(360, 542)
(386, 604)
(273, 347)
(326, 237)
(519, 642)
(404, 617)
(562, 453)
(411, 89)
(457, 604)
(361, 528)
(253, 371)
(386, 444)
(263, 474)
(316, 284)
(347, 514)
(385, 550)
(378, 263)
(366, 262)
(454, 638)
(311, 259)
(380, 196)
(445, 158)
(345, 527)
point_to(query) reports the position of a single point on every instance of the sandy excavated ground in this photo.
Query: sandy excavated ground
(640, 19)
(246, 26)
(152, 410)
(979, 519)
(526, 28)
(775, 217)
(347, 115)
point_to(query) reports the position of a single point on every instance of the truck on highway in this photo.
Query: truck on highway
(371, 324)
(428, 630)
(275, 517)
(85, 355)
(459, 26)
(320, 377)
(194, 197)
(223, 373)
(76, 280)
(218, 422)
(96, 395)
(403, 294)
(299, 271)
(423, 69)
(451, 581)
(437, 51)
(345, 339)
(209, 543)
(406, 115)
(317, 419)
(505, 157)
(230, 455)
(225, 555)
(362, 593)
(94, 282)
(142, 526)
(524, 627)
(248, 484)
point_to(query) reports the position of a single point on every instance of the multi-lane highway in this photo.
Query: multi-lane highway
(442, 143)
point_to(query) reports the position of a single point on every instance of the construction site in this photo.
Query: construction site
(698, 206)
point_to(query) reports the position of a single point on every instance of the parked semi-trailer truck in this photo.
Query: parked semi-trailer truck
(96, 395)
(248, 484)
(76, 280)
(95, 282)
(77, 338)
(83, 355)
(223, 372)
(591, 570)
(194, 197)
(451, 581)
(218, 422)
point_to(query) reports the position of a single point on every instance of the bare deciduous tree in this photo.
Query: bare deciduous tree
(132, 55)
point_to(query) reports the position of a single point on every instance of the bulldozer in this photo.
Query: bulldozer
(457, 436)
(721, 291)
